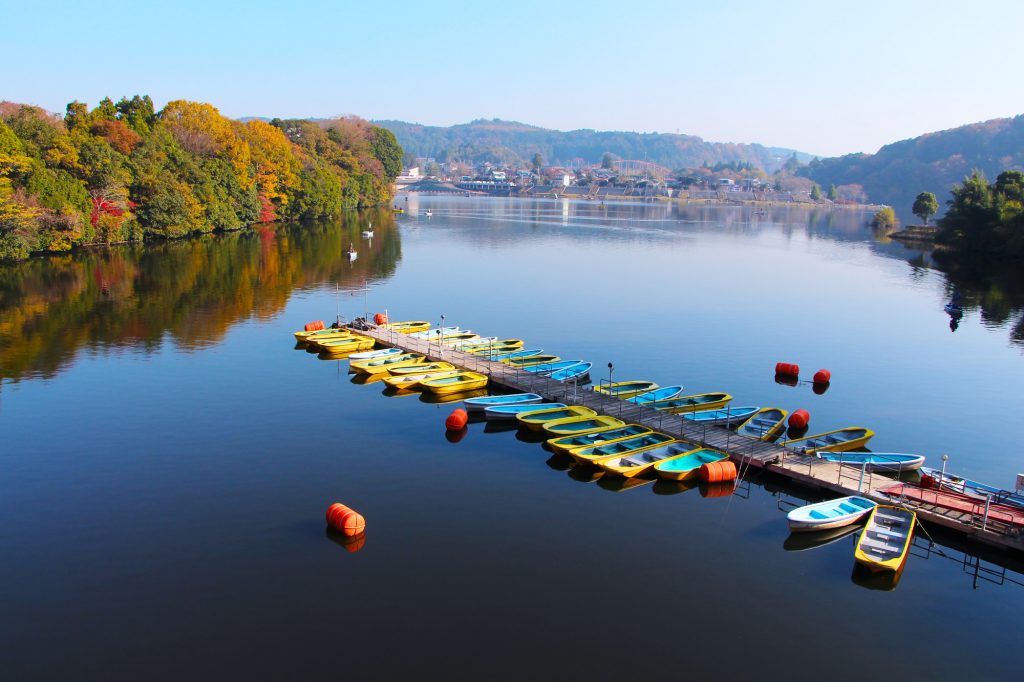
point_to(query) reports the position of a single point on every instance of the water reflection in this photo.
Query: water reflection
(192, 290)
(800, 542)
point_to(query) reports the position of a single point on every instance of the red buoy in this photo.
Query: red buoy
(350, 523)
(822, 376)
(457, 420)
(787, 369)
(799, 419)
(380, 318)
(314, 326)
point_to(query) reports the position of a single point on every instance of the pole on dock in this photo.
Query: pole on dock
(942, 476)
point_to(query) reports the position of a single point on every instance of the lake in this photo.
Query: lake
(167, 455)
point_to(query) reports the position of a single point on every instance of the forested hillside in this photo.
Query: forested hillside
(123, 172)
(511, 143)
(929, 163)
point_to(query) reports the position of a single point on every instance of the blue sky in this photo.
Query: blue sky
(827, 78)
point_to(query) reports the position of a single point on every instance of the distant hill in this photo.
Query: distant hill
(510, 142)
(929, 163)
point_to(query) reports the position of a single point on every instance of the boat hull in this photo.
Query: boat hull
(885, 541)
(830, 514)
(686, 466)
(460, 382)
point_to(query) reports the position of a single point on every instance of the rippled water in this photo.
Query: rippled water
(167, 456)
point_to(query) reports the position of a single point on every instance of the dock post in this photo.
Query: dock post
(984, 520)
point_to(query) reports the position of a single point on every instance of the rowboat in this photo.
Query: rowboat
(628, 446)
(408, 326)
(626, 389)
(349, 345)
(723, 416)
(580, 440)
(832, 441)
(386, 364)
(549, 367)
(766, 424)
(692, 403)
(405, 382)
(376, 354)
(663, 393)
(334, 335)
(480, 404)
(330, 332)
(885, 540)
(492, 352)
(457, 382)
(510, 354)
(876, 460)
(510, 412)
(686, 466)
(966, 486)
(433, 334)
(454, 339)
(535, 419)
(422, 367)
(830, 514)
(460, 344)
(531, 360)
(510, 344)
(576, 373)
(643, 461)
(574, 425)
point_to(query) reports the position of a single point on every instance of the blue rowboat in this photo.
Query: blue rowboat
(968, 487)
(510, 411)
(576, 372)
(876, 460)
(566, 443)
(434, 333)
(663, 393)
(765, 424)
(685, 467)
(481, 404)
(376, 354)
(723, 416)
(830, 514)
(549, 367)
(514, 354)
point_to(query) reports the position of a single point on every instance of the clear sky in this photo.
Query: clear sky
(823, 77)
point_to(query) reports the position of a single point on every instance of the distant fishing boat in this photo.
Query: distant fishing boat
(876, 460)
(830, 514)
(429, 213)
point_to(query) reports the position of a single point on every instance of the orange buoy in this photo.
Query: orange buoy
(345, 520)
(787, 369)
(314, 326)
(799, 419)
(716, 472)
(335, 508)
(380, 318)
(717, 490)
(819, 389)
(822, 376)
(457, 420)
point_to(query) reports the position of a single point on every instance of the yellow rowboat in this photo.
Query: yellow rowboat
(643, 461)
(483, 348)
(686, 465)
(530, 360)
(563, 444)
(320, 343)
(626, 389)
(839, 440)
(619, 448)
(345, 346)
(692, 403)
(408, 326)
(577, 425)
(765, 424)
(456, 382)
(302, 336)
(884, 543)
(386, 364)
(425, 367)
(535, 419)
(406, 382)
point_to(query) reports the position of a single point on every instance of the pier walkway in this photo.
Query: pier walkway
(842, 479)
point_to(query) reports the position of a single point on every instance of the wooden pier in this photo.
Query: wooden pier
(806, 470)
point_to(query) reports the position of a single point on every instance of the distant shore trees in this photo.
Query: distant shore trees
(925, 206)
(985, 218)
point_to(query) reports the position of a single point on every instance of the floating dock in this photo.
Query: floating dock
(977, 522)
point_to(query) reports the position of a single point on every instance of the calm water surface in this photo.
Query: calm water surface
(166, 456)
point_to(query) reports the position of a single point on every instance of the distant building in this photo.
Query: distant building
(409, 175)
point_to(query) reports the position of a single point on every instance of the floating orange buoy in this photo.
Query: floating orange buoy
(457, 420)
(314, 326)
(380, 318)
(787, 369)
(799, 419)
(716, 472)
(350, 523)
(822, 376)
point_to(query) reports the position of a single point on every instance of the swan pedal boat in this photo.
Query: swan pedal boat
(898, 461)
(692, 403)
(458, 382)
(535, 419)
(645, 460)
(481, 404)
(565, 443)
(622, 448)
(724, 416)
(531, 360)
(766, 424)
(376, 354)
(510, 412)
(408, 326)
(576, 425)
(839, 440)
(663, 393)
(422, 367)
(577, 373)
(686, 466)
(830, 514)
(626, 389)
(405, 382)
(383, 365)
(885, 541)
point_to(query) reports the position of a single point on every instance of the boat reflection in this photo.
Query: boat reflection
(434, 399)
(885, 581)
(620, 484)
(559, 461)
(666, 487)
(799, 542)
(501, 426)
(585, 473)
